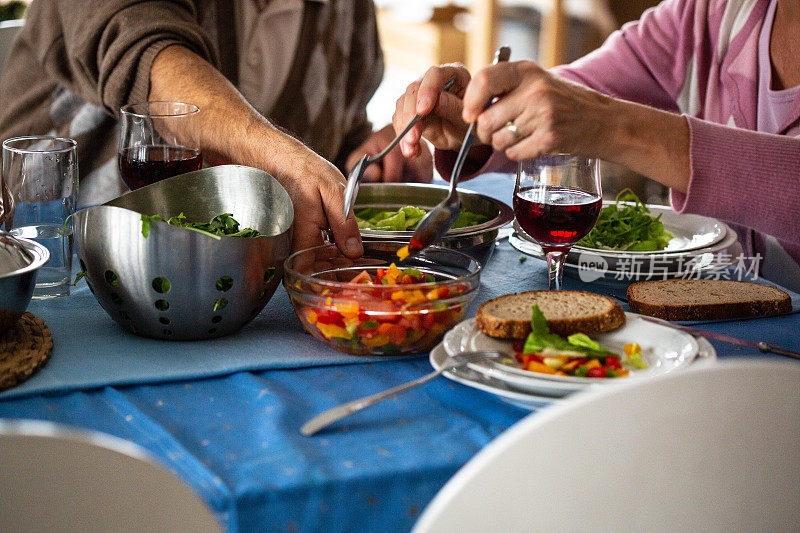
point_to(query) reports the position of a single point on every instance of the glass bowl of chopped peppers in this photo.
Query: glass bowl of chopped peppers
(374, 305)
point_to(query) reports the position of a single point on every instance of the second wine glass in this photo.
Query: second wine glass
(557, 199)
(157, 140)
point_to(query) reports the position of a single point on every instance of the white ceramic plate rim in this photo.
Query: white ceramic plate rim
(517, 240)
(525, 398)
(659, 362)
(518, 398)
(727, 237)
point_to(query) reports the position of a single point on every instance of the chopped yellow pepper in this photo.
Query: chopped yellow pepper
(311, 316)
(332, 330)
(632, 348)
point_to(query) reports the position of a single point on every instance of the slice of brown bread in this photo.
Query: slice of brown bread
(706, 299)
(567, 312)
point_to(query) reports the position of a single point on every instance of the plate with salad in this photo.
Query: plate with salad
(546, 364)
(626, 227)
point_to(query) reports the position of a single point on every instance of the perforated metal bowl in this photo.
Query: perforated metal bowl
(177, 283)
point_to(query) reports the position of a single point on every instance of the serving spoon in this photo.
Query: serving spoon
(354, 179)
(330, 416)
(441, 218)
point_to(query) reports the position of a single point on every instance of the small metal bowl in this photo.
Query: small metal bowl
(20, 260)
(177, 283)
(476, 241)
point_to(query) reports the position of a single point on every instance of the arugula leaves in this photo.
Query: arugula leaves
(220, 225)
(627, 225)
(541, 338)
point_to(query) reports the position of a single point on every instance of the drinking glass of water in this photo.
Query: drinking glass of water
(41, 175)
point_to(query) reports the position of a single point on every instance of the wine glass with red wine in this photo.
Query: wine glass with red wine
(557, 199)
(157, 140)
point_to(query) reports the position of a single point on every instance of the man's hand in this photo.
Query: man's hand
(393, 167)
(230, 129)
(316, 188)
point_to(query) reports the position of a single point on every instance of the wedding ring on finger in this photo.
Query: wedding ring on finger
(510, 126)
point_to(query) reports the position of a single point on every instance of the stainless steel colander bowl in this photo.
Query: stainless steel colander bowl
(177, 283)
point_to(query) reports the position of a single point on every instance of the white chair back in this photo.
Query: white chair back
(8, 30)
(55, 479)
(715, 448)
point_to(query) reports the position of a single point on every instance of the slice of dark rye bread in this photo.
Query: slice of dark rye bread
(706, 299)
(567, 312)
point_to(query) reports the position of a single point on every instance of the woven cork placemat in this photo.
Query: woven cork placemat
(24, 349)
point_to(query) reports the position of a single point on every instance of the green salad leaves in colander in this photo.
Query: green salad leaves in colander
(627, 225)
(407, 218)
(220, 225)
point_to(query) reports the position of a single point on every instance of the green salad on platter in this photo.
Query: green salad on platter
(407, 218)
(627, 225)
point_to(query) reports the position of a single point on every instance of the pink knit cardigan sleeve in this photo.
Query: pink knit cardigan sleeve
(737, 175)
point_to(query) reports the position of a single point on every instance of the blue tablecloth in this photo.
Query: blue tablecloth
(235, 438)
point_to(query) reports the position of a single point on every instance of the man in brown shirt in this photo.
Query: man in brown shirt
(282, 85)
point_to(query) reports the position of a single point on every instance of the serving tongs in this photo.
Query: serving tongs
(441, 218)
(354, 179)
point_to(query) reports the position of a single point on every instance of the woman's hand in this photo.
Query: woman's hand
(537, 112)
(393, 167)
(442, 124)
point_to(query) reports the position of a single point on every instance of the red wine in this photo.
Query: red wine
(556, 217)
(143, 165)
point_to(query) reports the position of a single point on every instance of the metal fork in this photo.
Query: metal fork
(354, 179)
(441, 218)
(330, 416)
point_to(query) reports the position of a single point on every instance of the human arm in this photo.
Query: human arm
(122, 51)
(744, 176)
(638, 63)
(230, 129)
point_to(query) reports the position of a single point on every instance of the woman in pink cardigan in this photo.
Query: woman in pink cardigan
(700, 95)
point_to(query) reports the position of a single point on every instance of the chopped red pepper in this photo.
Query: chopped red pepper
(596, 372)
(327, 316)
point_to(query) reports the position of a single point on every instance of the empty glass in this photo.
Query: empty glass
(40, 175)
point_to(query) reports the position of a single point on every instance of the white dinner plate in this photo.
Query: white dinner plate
(521, 398)
(663, 348)
(477, 380)
(637, 266)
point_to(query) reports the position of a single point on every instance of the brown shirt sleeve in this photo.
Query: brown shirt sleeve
(102, 50)
(366, 56)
